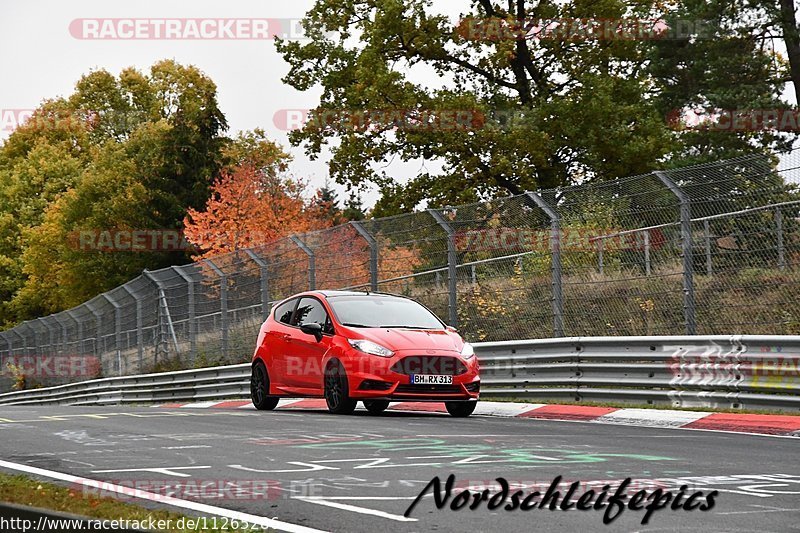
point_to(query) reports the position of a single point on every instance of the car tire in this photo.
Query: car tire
(337, 392)
(259, 388)
(460, 409)
(376, 407)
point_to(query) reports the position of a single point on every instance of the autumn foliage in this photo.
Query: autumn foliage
(250, 207)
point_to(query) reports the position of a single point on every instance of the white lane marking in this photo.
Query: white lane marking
(160, 498)
(356, 509)
(309, 468)
(764, 509)
(191, 447)
(356, 498)
(167, 471)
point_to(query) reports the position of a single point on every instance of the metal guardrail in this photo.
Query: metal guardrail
(717, 371)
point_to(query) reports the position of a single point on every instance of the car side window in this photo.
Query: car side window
(310, 311)
(283, 313)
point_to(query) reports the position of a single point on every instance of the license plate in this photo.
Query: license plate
(431, 379)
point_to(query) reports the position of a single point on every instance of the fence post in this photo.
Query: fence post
(647, 252)
(162, 299)
(264, 277)
(779, 231)
(223, 304)
(22, 338)
(191, 312)
(452, 262)
(600, 255)
(31, 330)
(555, 262)
(50, 342)
(79, 346)
(373, 253)
(139, 335)
(312, 269)
(63, 334)
(98, 333)
(686, 239)
(117, 329)
(2, 357)
(707, 236)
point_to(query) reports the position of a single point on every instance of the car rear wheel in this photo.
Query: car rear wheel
(460, 409)
(259, 388)
(337, 393)
(376, 407)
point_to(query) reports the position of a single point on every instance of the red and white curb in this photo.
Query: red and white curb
(776, 425)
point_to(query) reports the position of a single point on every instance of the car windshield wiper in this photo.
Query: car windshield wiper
(351, 325)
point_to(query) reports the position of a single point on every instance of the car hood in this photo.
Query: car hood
(413, 339)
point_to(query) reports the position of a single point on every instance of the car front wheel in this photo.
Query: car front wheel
(259, 389)
(460, 409)
(337, 393)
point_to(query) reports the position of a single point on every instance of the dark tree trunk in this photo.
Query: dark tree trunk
(791, 36)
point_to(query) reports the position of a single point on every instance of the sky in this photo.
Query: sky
(42, 57)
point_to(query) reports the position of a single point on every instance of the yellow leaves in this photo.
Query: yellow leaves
(647, 305)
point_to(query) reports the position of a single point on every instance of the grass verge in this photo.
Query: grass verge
(22, 490)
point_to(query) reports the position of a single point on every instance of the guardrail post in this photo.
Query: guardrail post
(779, 234)
(139, 335)
(263, 267)
(373, 253)
(223, 304)
(312, 268)
(117, 329)
(686, 239)
(191, 312)
(452, 263)
(555, 262)
(707, 237)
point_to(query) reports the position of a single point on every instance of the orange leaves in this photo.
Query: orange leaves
(250, 207)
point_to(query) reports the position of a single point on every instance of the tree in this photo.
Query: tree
(249, 207)
(536, 113)
(133, 151)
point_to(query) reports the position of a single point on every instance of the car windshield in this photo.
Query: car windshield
(382, 311)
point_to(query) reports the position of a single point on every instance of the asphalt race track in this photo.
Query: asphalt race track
(360, 473)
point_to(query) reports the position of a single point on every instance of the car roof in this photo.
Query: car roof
(333, 294)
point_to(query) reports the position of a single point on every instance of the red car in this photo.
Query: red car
(373, 347)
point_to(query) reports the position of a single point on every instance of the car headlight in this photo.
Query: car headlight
(467, 351)
(370, 347)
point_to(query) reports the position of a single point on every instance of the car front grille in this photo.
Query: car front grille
(426, 364)
(428, 389)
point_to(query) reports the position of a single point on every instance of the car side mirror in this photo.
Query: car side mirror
(312, 328)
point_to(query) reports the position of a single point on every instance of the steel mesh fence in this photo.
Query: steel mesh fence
(707, 249)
